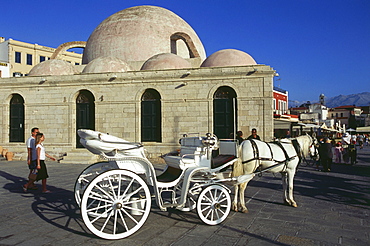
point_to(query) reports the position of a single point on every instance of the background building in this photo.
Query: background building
(17, 58)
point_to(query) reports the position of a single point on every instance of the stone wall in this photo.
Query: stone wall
(186, 101)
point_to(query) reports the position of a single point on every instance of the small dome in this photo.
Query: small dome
(165, 61)
(53, 67)
(227, 58)
(106, 64)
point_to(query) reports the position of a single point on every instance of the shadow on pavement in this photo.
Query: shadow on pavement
(57, 208)
(345, 184)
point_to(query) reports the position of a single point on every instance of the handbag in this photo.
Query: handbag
(33, 175)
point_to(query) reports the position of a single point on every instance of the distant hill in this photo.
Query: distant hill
(360, 99)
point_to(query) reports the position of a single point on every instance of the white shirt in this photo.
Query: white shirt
(346, 139)
(31, 145)
(42, 151)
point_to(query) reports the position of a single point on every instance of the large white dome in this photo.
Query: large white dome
(138, 33)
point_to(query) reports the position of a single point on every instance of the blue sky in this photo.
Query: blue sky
(317, 46)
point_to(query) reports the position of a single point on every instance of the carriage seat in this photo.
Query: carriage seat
(227, 152)
(192, 148)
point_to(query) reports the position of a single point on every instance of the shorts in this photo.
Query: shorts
(32, 165)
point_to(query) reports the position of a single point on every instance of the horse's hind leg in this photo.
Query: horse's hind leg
(242, 206)
(234, 205)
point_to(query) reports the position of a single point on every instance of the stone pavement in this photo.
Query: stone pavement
(333, 209)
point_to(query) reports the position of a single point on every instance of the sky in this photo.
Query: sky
(316, 46)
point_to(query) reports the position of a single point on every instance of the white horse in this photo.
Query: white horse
(282, 157)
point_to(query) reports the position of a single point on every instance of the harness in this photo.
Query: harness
(256, 156)
(298, 150)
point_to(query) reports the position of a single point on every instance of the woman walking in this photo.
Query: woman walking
(42, 173)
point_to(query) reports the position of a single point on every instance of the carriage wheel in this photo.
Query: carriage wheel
(86, 176)
(213, 204)
(115, 204)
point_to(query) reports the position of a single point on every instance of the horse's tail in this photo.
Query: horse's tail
(238, 165)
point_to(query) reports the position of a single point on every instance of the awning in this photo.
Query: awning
(363, 129)
(282, 124)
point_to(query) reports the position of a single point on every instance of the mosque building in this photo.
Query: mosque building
(144, 77)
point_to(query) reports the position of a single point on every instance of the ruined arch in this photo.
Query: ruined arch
(193, 52)
(66, 46)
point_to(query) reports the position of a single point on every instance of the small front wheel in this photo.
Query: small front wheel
(214, 204)
(115, 204)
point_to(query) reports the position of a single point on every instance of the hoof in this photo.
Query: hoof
(244, 210)
(293, 204)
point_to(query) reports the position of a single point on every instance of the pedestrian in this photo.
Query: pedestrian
(338, 152)
(42, 173)
(318, 162)
(31, 159)
(346, 141)
(239, 137)
(366, 139)
(326, 155)
(254, 135)
(360, 139)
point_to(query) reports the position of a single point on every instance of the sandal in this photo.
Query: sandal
(46, 191)
(24, 188)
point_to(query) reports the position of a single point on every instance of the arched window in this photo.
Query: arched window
(224, 112)
(85, 113)
(151, 116)
(16, 130)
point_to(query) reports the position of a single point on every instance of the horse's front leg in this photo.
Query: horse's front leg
(242, 206)
(290, 174)
(234, 205)
(284, 179)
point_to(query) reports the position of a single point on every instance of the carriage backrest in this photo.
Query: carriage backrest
(228, 147)
(191, 142)
(191, 146)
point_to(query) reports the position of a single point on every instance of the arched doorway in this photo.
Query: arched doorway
(224, 112)
(16, 129)
(151, 116)
(85, 113)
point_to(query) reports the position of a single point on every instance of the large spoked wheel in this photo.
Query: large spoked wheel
(87, 175)
(115, 204)
(213, 205)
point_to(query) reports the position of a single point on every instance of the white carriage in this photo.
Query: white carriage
(115, 196)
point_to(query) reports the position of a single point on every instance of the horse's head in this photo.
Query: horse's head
(313, 149)
(307, 145)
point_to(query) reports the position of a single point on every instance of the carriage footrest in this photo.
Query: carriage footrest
(171, 174)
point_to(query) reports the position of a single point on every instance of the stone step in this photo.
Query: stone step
(79, 156)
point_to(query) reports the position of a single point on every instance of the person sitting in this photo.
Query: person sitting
(254, 135)
(239, 137)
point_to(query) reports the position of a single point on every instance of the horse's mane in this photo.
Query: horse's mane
(303, 144)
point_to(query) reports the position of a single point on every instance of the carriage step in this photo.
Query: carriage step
(169, 205)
